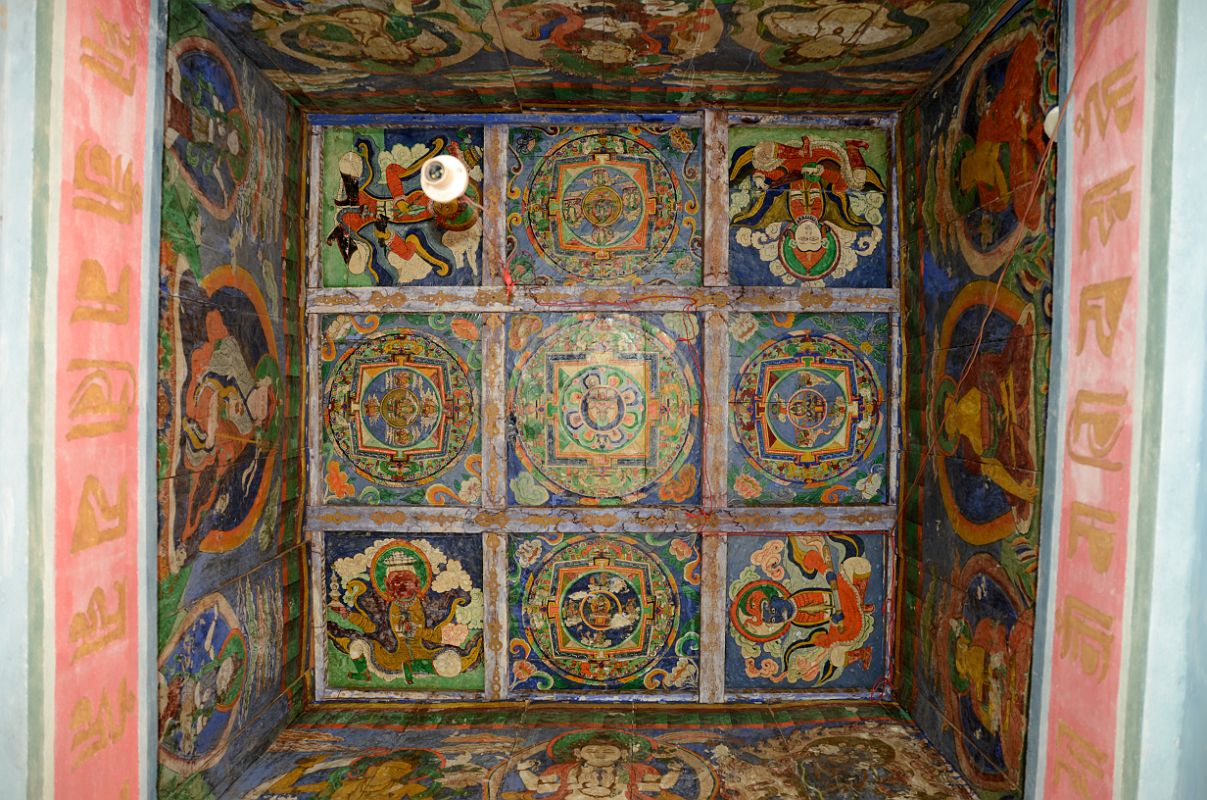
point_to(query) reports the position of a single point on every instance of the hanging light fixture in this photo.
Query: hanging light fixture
(444, 178)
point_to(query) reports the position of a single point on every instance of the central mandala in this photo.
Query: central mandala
(401, 408)
(602, 206)
(603, 408)
(807, 408)
(601, 610)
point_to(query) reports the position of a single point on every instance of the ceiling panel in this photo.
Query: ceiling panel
(508, 55)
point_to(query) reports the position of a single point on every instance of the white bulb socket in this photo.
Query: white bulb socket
(444, 178)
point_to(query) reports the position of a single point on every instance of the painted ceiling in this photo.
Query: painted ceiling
(520, 55)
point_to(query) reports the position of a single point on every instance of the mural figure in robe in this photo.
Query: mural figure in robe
(392, 776)
(392, 633)
(597, 766)
(990, 419)
(1008, 122)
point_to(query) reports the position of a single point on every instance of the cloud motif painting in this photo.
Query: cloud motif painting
(808, 207)
(806, 611)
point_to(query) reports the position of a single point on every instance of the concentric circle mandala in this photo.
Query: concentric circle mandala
(603, 407)
(602, 206)
(807, 408)
(601, 610)
(401, 408)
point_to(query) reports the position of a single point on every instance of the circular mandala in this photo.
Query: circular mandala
(603, 407)
(401, 408)
(807, 408)
(601, 610)
(602, 206)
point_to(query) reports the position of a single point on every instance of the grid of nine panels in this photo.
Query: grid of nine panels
(623, 426)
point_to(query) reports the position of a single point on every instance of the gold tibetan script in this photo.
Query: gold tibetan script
(103, 400)
(105, 184)
(94, 728)
(1085, 634)
(1112, 98)
(114, 55)
(1075, 757)
(98, 519)
(1095, 424)
(1088, 522)
(1106, 203)
(1102, 12)
(1101, 305)
(94, 301)
(96, 626)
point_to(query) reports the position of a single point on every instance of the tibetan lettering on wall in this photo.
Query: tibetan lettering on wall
(99, 236)
(1107, 148)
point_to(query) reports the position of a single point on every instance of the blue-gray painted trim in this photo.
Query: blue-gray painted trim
(1053, 483)
(327, 120)
(18, 44)
(148, 348)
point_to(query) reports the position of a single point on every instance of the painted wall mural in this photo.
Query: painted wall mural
(203, 671)
(809, 38)
(847, 752)
(984, 421)
(403, 613)
(604, 205)
(983, 654)
(603, 613)
(978, 212)
(442, 55)
(808, 207)
(378, 227)
(636, 40)
(229, 410)
(806, 611)
(624, 763)
(221, 440)
(400, 409)
(807, 407)
(604, 409)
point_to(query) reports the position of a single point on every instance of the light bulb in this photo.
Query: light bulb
(444, 178)
(1051, 121)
